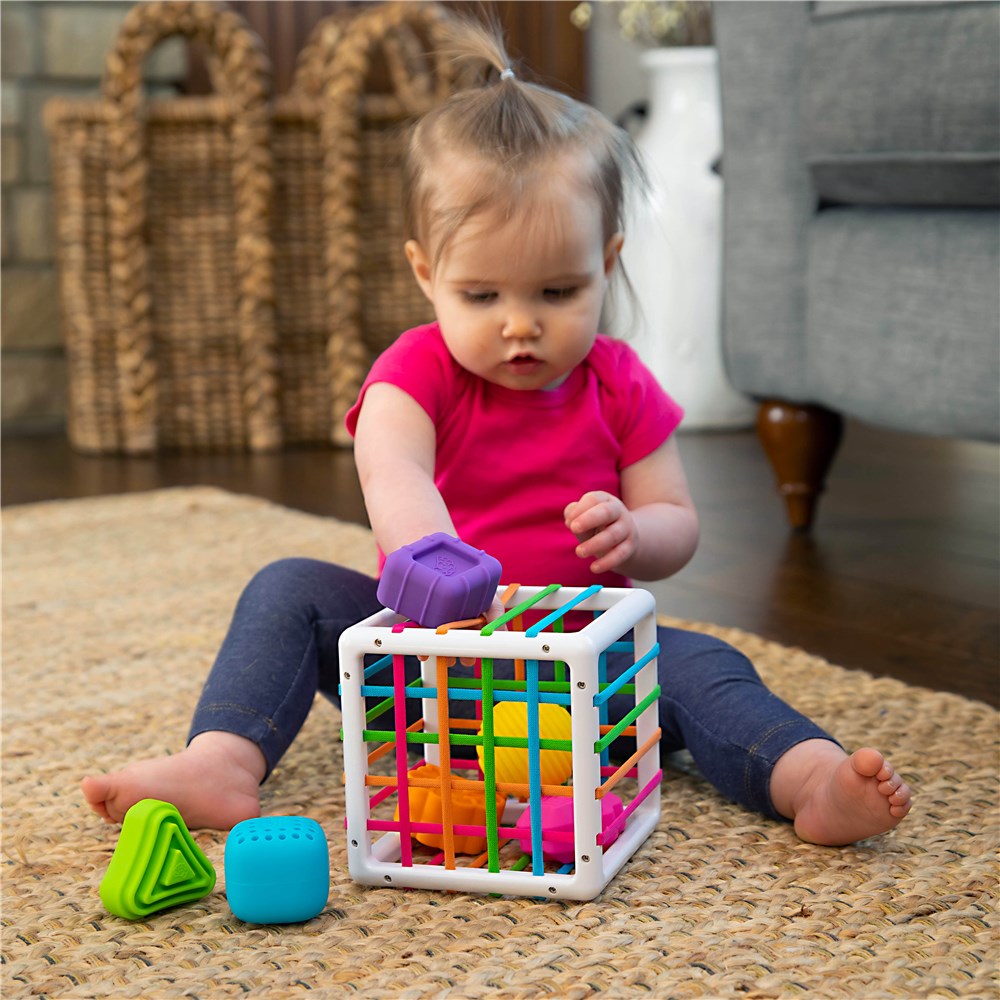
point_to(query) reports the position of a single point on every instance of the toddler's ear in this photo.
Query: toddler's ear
(612, 251)
(420, 265)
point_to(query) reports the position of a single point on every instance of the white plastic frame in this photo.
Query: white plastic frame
(376, 861)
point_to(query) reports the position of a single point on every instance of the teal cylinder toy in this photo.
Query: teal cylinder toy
(277, 869)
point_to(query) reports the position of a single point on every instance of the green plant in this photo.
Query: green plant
(655, 22)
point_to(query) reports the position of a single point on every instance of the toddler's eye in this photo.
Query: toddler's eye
(478, 298)
(560, 294)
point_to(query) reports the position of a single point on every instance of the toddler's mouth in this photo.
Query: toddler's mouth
(523, 363)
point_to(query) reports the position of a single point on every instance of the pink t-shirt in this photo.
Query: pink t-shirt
(508, 461)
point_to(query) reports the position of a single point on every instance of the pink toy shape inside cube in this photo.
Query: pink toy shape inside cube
(557, 817)
(438, 579)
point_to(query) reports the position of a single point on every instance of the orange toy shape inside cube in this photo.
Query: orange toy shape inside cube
(468, 808)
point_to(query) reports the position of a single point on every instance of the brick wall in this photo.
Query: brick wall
(48, 49)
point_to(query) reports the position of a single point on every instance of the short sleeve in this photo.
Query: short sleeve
(418, 363)
(643, 414)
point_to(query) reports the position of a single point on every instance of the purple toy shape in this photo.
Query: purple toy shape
(438, 579)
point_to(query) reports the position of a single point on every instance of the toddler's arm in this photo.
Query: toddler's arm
(394, 445)
(648, 533)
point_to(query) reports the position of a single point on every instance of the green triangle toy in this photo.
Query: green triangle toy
(156, 864)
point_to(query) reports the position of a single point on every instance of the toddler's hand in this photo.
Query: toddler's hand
(496, 610)
(605, 529)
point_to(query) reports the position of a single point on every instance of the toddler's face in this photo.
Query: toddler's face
(519, 299)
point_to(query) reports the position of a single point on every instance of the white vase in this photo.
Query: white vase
(672, 253)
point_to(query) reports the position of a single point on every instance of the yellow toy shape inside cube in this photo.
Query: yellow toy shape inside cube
(510, 718)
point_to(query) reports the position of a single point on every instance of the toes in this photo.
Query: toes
(95, 791)
(102, 810)
(112, 812)
(867, 762)
(901, 796)
(887, 787)
(95, 787)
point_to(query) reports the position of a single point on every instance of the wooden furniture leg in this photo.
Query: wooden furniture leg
(800, 442)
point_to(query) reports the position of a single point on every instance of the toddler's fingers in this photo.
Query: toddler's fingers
(599, 544)
(493, 612)
(597, 522)
(496, 610)
(586, 503)
(449, 661)
(591, 520)
(614, 557)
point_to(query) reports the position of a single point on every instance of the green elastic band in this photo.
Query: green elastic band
(613, 734)
(489, 770)
(520, 609)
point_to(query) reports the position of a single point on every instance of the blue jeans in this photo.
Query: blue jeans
(281, 649)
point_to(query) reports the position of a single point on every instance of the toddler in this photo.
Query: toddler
(512, 423)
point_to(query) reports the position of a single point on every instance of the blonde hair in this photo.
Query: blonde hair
(514, 129)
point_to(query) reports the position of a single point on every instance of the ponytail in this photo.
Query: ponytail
(513, 129)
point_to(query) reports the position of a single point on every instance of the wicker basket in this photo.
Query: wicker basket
(217, 290)
(341, 132)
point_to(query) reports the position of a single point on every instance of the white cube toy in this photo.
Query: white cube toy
(539, 739)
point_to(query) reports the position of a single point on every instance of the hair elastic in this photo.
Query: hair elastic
(507, 74)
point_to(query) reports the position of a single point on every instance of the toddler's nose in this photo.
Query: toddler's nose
(521, 324)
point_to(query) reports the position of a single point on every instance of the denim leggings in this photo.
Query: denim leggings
(281, 649)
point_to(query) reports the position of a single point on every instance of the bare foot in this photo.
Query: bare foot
(214, 782)
(836, 799)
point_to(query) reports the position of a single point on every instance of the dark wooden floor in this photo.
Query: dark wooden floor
(899, 577)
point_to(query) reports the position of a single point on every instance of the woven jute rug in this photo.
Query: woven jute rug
(113, 609)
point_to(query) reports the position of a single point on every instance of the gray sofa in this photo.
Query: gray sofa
(861, 228)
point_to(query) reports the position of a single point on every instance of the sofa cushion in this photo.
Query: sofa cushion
(902, 318)
(901, 104)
